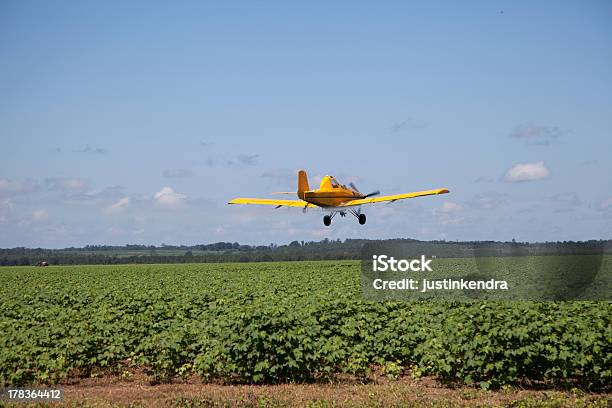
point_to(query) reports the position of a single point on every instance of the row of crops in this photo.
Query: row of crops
(282, 322)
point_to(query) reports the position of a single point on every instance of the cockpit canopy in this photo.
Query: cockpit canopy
(330, 182)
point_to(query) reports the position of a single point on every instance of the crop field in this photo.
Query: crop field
(269, 323)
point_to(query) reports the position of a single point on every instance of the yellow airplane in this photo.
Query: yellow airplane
(333, 197)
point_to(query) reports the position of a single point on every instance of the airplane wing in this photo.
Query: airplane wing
(392, 198)
(277, 203)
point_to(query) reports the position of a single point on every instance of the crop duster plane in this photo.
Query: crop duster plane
(333, 197)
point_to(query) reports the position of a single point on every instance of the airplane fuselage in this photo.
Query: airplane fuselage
(329, 194)
(330, 198)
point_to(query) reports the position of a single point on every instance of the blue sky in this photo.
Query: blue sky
(136, 122)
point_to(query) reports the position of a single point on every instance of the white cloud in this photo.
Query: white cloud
(5, 207)
(67, 185)
(54, 184)
(119, 206)
(40, 215)
(527, 172)
(449, 214)
(9, 187)
(6, 204)
(248, 159)
(450, 207)
(168, 198)
(537, 135)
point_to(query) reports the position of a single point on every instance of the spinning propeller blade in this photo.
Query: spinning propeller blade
(354, 187)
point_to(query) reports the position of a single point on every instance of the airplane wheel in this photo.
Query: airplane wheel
(327, 220)
(362, 219)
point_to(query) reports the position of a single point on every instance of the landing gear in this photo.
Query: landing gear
(327, 220)
(362, 219)
(357, 213)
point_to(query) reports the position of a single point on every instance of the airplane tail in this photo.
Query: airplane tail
(302, 184)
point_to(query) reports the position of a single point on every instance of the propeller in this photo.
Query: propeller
(354, 187)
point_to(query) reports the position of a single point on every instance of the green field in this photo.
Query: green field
(284, 322)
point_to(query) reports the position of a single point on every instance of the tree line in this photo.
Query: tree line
(293, 251)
